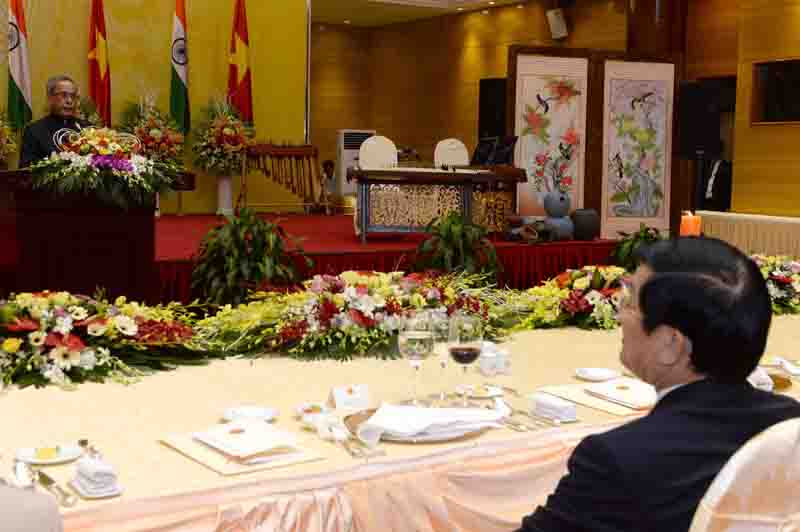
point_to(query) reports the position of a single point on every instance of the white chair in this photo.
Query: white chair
(757, 490)
(450, 152)
(377, 153)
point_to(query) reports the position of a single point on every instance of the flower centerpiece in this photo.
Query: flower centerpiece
(63, 339)
(221, 141)
(783, 282)
(339, 316)
(7, 143)
(587, 298)
(160, 137)
(107, 164)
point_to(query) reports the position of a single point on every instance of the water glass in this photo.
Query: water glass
(415, 342)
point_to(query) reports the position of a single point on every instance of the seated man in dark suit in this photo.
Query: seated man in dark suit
(695, 326)
(63, 101)
(717, 185)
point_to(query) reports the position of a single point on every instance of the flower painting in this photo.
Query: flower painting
(553, 139)
(637, 133)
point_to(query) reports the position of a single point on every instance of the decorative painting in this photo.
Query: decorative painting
(551, 125)
(636, 146)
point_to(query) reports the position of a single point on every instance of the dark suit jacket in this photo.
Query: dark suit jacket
(722, 188)
(650, 474)
(37, 140)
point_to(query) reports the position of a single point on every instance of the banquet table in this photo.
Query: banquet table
(484, 482)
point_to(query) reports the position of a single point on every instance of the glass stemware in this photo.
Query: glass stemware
(466, 336)
(440, 327)
(415, 342)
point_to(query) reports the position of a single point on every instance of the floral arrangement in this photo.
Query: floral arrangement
(107, 164)
(354, 313)
(160, 137)
(783, 282)
(221, 141)
(7, 143)
(588, 298)
(63, 339)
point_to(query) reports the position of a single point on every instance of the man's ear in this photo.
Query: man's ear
(673, 346)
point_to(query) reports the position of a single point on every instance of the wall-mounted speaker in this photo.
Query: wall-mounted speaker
(557, 23)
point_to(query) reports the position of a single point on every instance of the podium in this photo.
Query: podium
(76, 243)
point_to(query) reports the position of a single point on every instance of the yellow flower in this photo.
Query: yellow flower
(582, 283)
(449, 294)
(11, 345)
(418, 300)
(121, 300)
(339, 300)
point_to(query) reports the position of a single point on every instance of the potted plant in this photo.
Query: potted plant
(456, 245)
(241, 254)
(624, 253)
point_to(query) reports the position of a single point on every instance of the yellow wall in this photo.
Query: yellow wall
(712, 38)
(767, 159)
(139, 33)
(422, 77)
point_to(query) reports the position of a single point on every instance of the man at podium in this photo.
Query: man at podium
(63, 100)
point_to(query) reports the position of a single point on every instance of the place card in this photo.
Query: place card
(352, 397)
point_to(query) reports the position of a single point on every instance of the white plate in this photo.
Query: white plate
(66, 453)
(250, 412)
(116, 491)
(597, 374)
(435, 438)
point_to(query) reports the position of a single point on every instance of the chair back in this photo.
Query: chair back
(757, 490)
(377, 153)
(450, 152)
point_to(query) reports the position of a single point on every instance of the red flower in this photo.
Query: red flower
(23, 325)
(783, 279)
(70, 341)
(362, 290)
(326, 310)
(566, 181)
(293, 332)
(541, 159)
(539, 173)
(576, 303)
(392, 307)
(571, 137)
(564, 279)
(536, 122)
(360, 319)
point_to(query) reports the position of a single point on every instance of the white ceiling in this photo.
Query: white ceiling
(368, 13)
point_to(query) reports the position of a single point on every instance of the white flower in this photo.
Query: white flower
(96, 328)
(594, 297)
(390, 324)
(64, 358)
(78, 313)
(88, 360)
(125, 325)
(63, 325)
(103, 354)
(37, 338)
(775, 292)
(53, 373)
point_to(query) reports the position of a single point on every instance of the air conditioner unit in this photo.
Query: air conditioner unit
(348, 142)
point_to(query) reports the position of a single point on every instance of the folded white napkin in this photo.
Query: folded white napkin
(625, 391)
(87, 488)
(554, 407)
(409, 422)
(96, 471)
(789, 367)
(761, 380)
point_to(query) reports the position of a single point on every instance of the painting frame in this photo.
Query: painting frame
(638, 116)
(549, 113)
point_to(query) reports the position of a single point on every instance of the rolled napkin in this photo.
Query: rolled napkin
(553, 407)
(409, 422)
(761, 380)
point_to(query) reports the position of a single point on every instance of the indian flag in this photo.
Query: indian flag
(179, 90)
(19, 75)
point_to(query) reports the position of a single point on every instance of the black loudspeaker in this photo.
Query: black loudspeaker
(492, 108)
(698, 120)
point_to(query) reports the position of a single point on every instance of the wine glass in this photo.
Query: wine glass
(415, 342)
(466, 335)
(440, 327)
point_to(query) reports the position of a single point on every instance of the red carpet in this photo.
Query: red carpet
(331, 243)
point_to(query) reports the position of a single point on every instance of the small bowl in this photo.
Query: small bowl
(250, 412)
(596, 374)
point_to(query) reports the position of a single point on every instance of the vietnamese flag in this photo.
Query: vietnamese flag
(99, 68)
(240, 93)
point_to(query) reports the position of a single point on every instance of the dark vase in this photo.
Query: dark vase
(587, 224)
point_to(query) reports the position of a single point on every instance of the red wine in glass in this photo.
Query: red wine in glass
(465, 354)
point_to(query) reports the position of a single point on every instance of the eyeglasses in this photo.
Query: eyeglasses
(66, 94)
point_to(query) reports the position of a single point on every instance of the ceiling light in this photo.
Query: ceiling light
(491, 3)
(485, 12)
(520, 6)
(459, 9)
(347, 22)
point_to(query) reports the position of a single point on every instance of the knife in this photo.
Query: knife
(65, 499)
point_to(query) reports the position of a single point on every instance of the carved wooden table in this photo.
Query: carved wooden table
(404, 200)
